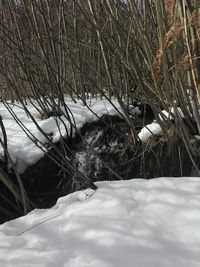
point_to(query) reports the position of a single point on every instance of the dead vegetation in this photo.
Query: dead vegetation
(137, 51)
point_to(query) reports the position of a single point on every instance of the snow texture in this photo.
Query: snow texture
(149, 130)
(138, 223)
(24, 151)
(154, 127)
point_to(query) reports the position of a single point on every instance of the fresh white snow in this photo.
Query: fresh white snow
(154, 127)
(135, 223)
(23, 151)
(149, 130)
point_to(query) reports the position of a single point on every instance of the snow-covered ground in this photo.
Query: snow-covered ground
(135, 223)
(25, 152)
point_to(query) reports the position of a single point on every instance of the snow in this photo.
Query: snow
(138, 223)
(24, 151)
(172, 113)
(149, 130)
(154, 127)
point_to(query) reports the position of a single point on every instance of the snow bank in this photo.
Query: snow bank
(136, 223)
(23, 150)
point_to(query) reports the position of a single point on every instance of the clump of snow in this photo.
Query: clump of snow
(170, 115)
(135, 111)
(154, 127)
(138, 223)
(24, 151)
(149, 130)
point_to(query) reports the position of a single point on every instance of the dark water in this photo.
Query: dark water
(102, 150)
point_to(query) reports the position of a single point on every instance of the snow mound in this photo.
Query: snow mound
(138, 223)
(24, 151)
